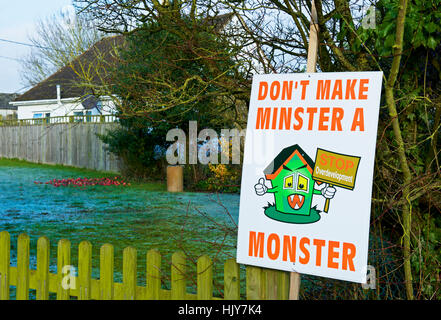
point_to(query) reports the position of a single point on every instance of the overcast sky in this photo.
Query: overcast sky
(17, 21)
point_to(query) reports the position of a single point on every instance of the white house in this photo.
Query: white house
(69, 106)
(62, 94)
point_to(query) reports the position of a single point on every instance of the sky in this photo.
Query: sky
(17, 21)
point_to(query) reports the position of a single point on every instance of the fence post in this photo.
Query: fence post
(175, 178)
(63, 260)
(153, 275)
(204, 278)
(270, 284)
(106, 272)
(178, 283)
(129, 273)
(283, 285)
(257, 279)
(231, 280)
(22, 292)
(254, 283)
(5, 253)
(84, 270)
(43, 250)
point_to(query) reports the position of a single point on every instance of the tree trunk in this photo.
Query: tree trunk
(407, 176)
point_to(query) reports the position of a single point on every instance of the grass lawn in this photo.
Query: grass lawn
(82, 172)
(143, 215)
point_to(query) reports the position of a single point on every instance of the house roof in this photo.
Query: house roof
(274, 168)
(68, 78)
(5, 98)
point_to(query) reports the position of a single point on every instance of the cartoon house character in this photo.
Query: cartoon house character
(290, 174)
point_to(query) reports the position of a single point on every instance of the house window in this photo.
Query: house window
(296, 181)
(88, 116)
(302, 183)
(38, 118)
(47, 115)
(289, 182)
(78, 116)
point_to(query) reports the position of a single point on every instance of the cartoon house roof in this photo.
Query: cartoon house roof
(284, 157)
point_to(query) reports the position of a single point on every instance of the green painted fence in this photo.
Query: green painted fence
(261, 283)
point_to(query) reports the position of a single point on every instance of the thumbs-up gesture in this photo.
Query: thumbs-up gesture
(260, 187)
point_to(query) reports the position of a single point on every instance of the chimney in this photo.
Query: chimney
(59, 94)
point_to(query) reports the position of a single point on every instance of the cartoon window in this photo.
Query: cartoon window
(302, 183)
(288, 182)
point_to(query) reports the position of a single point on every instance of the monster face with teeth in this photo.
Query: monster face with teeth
(290, 174)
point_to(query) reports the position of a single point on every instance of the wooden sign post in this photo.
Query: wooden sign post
(295, 280)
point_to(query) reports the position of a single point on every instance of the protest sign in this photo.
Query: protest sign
(285, 219)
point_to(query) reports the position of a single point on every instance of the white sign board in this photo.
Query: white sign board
(307, 175)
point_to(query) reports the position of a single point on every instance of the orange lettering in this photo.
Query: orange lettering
(323, 160)
(348, 258)
(323, 119)
(304, 250)
(289, 247)
(263, 119)
(311, 112)
(285, 118)
(256, 244)
(350, 86)
(275, 95)
(287, 90)
(298, 118)
(338, 90)
(263, 90)
(333, 254)
(323, 89)
(332, 159)
(349, 165)
(341, 165)
(318, 257)
(337, 116)
(363, 89)
(304, 84)
(273, 255)
(358, 120)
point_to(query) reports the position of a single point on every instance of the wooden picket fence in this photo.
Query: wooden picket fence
(260, 283)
